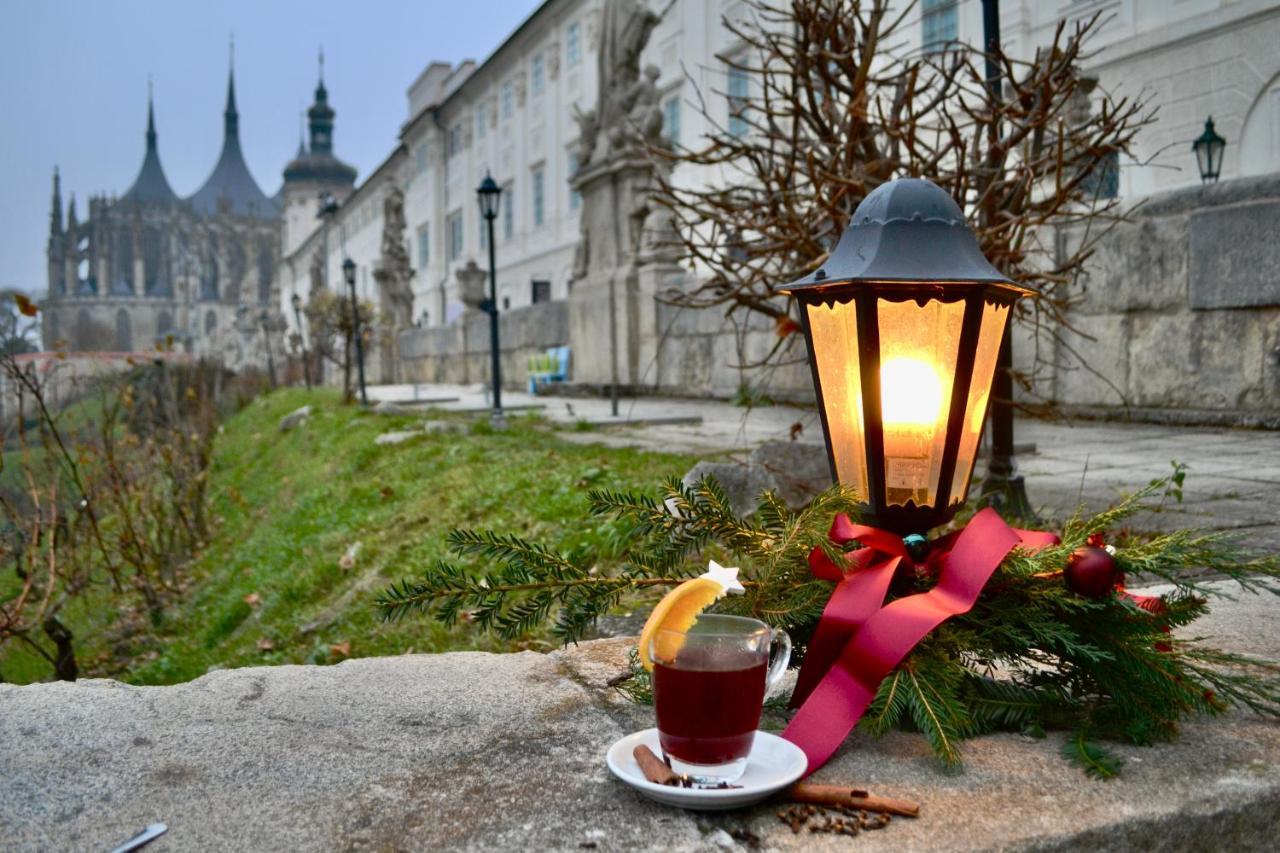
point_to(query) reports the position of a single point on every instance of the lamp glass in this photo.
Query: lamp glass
(918, 346)
(994, 319)
(833, 328)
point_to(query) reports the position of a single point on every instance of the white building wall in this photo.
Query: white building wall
(1187, 58)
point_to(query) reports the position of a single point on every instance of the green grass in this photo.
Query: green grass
(288, 505)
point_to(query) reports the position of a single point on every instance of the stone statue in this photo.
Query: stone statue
(393, 271)
(317, 272)
(625, 31)
(644, 110)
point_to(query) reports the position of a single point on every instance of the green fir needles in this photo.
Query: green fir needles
(1030, 656)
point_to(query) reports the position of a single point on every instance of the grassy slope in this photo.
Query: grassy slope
(288, 505)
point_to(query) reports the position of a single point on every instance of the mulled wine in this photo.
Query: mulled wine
(708, 688)
(709, 707)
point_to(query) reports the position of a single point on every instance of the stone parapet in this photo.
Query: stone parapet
(475, 751)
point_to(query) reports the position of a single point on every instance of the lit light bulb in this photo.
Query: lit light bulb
(910, 393)
(911, 399)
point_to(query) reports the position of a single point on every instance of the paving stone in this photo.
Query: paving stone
(295, 418)
(397, 437)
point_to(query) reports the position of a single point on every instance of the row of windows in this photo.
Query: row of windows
(454, 227)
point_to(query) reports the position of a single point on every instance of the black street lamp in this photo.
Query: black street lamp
(265, 320)
(1208, 150)
(490, 196)
(904, 324)
(296, 302)
(349, 272)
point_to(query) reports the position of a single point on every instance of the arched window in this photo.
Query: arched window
(266, 270)
(237, 266)
(124, 332)
(84, 332)
(209, 273)
(155, 267)
(210, 322)
(122, 264)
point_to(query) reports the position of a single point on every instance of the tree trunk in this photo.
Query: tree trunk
(64, 663)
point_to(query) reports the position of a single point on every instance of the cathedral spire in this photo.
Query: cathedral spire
(151, 117)
(231, 117)
(72, 225)
(230, 188)
(55, 213)
(151, 185)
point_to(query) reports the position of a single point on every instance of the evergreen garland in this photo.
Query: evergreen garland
(1030, 656)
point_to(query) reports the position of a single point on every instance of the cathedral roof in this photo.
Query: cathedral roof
(230, 188)
(151, 185)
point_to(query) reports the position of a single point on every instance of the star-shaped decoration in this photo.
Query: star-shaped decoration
(725, 576)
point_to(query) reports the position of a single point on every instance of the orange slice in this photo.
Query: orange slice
(680, 608)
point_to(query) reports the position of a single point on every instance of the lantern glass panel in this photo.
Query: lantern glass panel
(834, 332)
(918, 347)
(990, 334)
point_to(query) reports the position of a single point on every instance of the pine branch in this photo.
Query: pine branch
(1096, 762)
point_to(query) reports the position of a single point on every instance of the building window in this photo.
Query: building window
(420, 155)
(939, 24)
(455, 235)
(573, 44)
(508, 98)
(1103, 180)
(671, 119)
(508, 212)
(541, 291)
(538, 75)
(737, 92)
(575, 197)
(424, 246)
(539, 202)
(482, 121)
(454, 142)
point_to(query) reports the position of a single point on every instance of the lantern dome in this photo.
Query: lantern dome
(908, 230)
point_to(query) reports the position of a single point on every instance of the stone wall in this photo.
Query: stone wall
(459, 353)
(1180, 310)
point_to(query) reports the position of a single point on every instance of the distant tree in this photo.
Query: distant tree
(332, 339)
(17, 323)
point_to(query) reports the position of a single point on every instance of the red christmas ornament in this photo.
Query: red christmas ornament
(1092, 572)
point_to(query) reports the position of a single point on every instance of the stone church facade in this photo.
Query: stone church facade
(150, 269)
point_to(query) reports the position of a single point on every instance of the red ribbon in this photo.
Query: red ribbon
(859, 639)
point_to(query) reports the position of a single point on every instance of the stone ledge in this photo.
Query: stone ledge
(495, 752)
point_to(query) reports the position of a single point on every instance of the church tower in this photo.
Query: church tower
(151, 186)
(313, 173)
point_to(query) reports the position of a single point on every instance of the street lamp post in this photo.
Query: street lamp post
(1208, 150)
(349, 271)
(490, 195)
(265, 320)
(904, 324)
(296, 302)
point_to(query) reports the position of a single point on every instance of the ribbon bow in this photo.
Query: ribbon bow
(859, 639)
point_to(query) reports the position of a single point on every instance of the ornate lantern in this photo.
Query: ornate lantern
(1208, 150)
(904, 323)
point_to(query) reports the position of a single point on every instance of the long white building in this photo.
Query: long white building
(512, 115)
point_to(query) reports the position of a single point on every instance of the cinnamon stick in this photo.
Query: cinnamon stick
(653, 767)
(832, 796)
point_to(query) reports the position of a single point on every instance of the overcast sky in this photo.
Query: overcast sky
(74, 81)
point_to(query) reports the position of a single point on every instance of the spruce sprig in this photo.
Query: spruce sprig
(1030, 656)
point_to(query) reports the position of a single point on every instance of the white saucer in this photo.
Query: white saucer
(774, 764)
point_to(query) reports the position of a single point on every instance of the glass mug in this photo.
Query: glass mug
(709, 694)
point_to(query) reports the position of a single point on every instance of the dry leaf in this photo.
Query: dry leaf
(343, 649)
(266, 644)
(25, 305)
(253, 599)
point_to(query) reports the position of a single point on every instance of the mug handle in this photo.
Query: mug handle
(779, 657)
